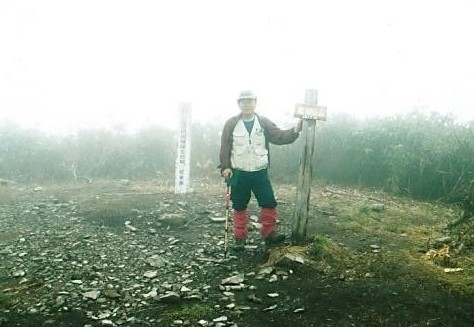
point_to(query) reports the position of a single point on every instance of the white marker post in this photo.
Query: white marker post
(309, 112)
(183, 155)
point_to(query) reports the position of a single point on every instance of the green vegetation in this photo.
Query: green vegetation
(423, 156)
(317, 247)
(193, 313)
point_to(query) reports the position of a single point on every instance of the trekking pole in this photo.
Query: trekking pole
(226, 227)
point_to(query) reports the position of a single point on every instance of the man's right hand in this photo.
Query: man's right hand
(227, 173)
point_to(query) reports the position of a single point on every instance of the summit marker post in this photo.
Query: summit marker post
(183, 153)
(310, 112)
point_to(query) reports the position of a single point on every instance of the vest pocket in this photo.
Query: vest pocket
(240, 138)
(261, 151)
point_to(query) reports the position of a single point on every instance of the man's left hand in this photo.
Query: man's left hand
(227, 173)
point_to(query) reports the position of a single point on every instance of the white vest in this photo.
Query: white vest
(248, 150)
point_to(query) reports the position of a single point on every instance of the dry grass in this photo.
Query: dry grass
(406, 231)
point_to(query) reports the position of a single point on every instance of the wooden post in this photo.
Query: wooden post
(309, 112)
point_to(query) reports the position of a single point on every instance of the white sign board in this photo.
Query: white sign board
(310, 112)
(183, 154)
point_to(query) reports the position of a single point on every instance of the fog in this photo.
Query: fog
(69, 65)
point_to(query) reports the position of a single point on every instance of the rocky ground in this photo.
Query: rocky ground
(122, 253)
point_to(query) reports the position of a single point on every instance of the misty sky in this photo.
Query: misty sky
(68, 64)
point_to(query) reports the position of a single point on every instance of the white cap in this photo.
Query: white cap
(247, 95)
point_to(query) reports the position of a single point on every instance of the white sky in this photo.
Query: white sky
(92, 63)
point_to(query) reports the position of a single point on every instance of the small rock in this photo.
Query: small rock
(152, 294)
(237, 279)
(6, 250)
(273, 278)
(217, 219)
(270, 308)
(294, 258)
(266, 271)
(19, 273)
(220, 319)
(185, 289)
(156, 261)
(91, 295)
(230, 306)
(174, 241)
(150, 274)
(130, 227)
(60, 301)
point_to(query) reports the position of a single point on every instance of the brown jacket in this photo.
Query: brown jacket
(272, 133)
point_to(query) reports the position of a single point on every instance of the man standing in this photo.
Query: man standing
(244, 160)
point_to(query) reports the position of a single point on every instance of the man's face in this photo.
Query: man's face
(247, 106)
